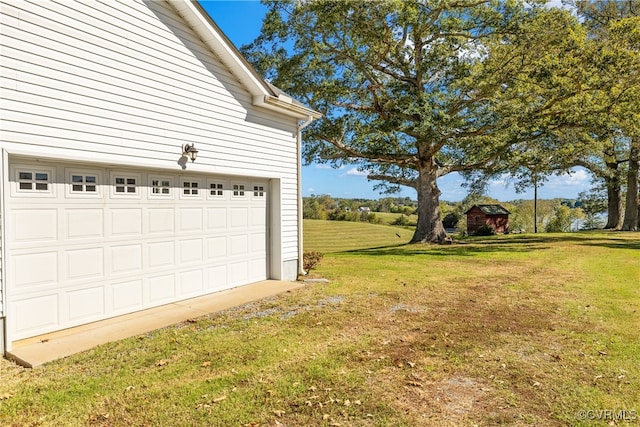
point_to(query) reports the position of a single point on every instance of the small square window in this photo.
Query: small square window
(238, 190)
(258, 191)
(190, 188)
(216, 189)
(160, 187)
(125, 185)
(33, 181)
(83, 183)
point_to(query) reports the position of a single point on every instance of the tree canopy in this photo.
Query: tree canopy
(414, 90)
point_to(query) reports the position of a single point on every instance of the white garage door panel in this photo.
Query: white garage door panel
(33, 269)
(191, 283)
(216, 248)
(85, 263)
(35, 225)
(216, 218)
(239, 245)
(190, 251)
(191, 219)
(239, 217)
(217, 278)
(162, 289)
(161, 254)
(26, 323)
(126, 222)
(86, 304)
(125, 296)
(239, 272)
(84, 223)
(160, 220)
(258, 269)
(80, 253)
(258, 217)
(126, 258)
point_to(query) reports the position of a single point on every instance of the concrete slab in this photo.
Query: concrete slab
(36, 351)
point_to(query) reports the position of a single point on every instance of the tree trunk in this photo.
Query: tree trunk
(631, 209)
(429, 228)
(614, 198)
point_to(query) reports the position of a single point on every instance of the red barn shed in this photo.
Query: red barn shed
(494, 216)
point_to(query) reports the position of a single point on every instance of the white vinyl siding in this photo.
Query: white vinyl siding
(130, 80)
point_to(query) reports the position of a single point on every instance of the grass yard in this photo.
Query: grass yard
(522, 330)
(388, 218)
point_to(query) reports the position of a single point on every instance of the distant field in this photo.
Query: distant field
(388, 218)
(337, 236)
(519, 330)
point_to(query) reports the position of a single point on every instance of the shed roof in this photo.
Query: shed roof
(490, 209)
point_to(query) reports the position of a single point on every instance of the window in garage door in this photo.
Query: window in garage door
(160, 187)
(125, 185)
(190, 188)
(83, 183)
(216, 190)
(33, 181)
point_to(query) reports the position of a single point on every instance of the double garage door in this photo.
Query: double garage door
(87, 243)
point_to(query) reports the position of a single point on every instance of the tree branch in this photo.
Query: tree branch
(394, 180)
(402, 160)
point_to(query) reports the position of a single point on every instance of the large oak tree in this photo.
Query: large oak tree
(414, 90)
(613, 120)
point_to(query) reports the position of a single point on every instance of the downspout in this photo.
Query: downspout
(301, 126)
(5, 339)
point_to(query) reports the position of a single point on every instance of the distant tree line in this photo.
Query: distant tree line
(553, 215)
(342, 209)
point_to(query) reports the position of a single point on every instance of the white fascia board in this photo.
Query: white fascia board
(215, 39)
(285, 105)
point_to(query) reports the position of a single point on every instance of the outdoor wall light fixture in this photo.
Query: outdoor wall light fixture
(190, 151)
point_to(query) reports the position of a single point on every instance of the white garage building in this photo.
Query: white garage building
(102, 210)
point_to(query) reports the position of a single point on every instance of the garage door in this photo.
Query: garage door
(88, 243)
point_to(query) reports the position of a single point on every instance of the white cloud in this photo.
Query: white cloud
(355, 172)
(502, 181)
(578, 177)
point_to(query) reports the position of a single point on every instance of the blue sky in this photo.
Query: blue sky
(241, 22)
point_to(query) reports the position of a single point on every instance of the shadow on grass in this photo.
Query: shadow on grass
(452, 250)
(513, 243)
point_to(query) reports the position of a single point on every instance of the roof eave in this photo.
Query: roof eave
(285, 105)
(219, 43)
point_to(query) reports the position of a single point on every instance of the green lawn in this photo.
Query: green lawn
(517, 330)
(340, 236)
(388, 217)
